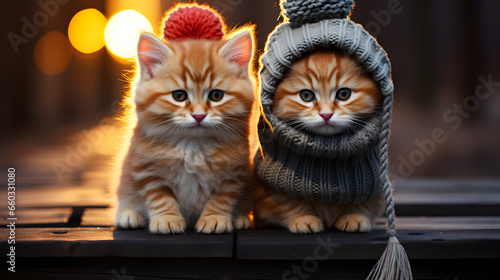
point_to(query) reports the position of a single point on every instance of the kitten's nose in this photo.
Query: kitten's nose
(326, 117)
(199, 117)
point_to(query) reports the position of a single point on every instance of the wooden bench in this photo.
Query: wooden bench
(64, 230)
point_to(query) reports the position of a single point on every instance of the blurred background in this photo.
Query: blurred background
(65, 62)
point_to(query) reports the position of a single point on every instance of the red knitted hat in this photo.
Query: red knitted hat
(192, 22)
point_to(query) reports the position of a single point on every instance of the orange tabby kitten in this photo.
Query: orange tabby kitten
(190, 153)
(325, 93)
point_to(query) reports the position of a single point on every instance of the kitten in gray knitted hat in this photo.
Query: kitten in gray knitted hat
(325, 93)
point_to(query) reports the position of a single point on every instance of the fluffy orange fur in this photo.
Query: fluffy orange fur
(322, 74)
(189, 155)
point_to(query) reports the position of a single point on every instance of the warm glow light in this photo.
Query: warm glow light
(122, 32)
(53, 53)
(151, 9)
(86, 30)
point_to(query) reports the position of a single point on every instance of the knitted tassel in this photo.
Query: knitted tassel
(393, 265)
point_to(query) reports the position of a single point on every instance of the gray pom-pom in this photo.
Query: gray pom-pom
(309, 11)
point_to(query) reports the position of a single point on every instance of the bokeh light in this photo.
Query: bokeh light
(151, 9)
(122, 33)
(53, 53)
(86, 30)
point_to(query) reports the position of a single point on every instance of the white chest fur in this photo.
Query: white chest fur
(189, 174)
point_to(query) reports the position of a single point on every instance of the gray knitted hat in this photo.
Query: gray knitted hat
(342, 168)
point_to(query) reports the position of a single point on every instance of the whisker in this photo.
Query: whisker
(235, 119)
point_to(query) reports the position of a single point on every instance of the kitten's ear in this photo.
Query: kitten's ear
(151, 51)
(239, 50)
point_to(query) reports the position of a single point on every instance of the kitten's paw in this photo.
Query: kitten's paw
(242, 222)
(306, 224)
(129, 218)
(353, 222)
(167, 224)
(214, 224)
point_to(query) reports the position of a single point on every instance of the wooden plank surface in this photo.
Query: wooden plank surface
(98, 217)
(466, 185)
(31, 216)
(116, 268)
(253, 245)
(419, 244)
(62, 175)
(442, 223)
(226, 269)
(436, 237)
(469, 269)
(86, 194)
(100, 242)
(37, 275)
(447, 192)
(447, 197)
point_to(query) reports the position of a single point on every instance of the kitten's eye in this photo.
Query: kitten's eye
(180, 95)
(307, 95)
(343, 94)
(215, 95)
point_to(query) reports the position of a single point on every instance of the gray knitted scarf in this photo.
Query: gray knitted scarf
(343, 168)
(340, 169)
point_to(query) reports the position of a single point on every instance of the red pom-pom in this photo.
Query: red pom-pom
(192, 22)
